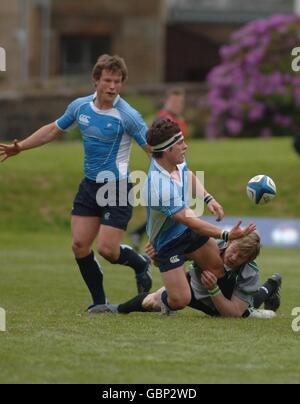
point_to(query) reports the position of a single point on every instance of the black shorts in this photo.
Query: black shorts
(173, 254)
(116, 213)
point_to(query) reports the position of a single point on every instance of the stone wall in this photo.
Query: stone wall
(21, 115)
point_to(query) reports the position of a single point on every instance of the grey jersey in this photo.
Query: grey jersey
(246, 281)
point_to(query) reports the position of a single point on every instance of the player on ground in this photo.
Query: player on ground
(107, 124)
(235, 295)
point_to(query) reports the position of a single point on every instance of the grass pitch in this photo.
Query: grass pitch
(50, 339)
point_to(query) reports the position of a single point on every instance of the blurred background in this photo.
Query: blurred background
(231, 59)
(51, 46)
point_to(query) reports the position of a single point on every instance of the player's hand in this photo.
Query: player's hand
(238, 232)
(150, 251)
(10, 150)
(209, 280)
(216, 209)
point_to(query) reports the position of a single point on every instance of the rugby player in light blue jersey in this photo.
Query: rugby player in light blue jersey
(174, 230)
(107, 124)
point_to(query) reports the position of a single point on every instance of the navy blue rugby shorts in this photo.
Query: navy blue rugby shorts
(173, 254)
(113, 214)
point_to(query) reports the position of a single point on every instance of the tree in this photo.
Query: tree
(255, 92)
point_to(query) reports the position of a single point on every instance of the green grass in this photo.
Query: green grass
(37, 187)
(50, 340)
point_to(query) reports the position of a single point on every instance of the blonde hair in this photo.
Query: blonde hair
(249, 246)
(114, 64)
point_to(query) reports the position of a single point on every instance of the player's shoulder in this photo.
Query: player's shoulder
(250, 270)
(126, 109)
(158, 178)
(183, 167)
(78, 102)
(252, 266)
(155, 171)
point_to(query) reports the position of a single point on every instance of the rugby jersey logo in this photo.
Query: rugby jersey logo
(174, 260)
(84, 119)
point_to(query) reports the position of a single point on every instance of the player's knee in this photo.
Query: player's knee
(80, 249)
(180, 301)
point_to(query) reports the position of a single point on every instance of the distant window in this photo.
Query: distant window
(79, 53)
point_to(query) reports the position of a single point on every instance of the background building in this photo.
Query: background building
(197, 28)
(58, 38)
(51, 46)
(161, 40)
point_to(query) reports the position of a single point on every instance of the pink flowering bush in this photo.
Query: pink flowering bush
(254, 92)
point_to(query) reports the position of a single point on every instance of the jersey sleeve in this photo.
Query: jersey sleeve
(68, 120)
(248, 283)
(136, 128)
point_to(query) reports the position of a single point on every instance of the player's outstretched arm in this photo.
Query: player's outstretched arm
(10, 150)
(227, 308)
(200, 192)
(189, 219)
(237, 232)
(42, 136)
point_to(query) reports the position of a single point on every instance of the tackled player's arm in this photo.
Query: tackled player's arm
(229, 308)
(235, 307)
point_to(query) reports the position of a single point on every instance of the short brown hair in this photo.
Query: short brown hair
(112, 63)
(161, 130)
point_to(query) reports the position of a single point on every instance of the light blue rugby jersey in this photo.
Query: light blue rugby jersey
(107, 135)
(164, 197)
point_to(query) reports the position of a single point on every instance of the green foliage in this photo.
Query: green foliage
(142, 104)
(254, 91)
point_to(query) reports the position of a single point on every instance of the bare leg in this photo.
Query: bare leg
(177, 287)
(208, 258)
